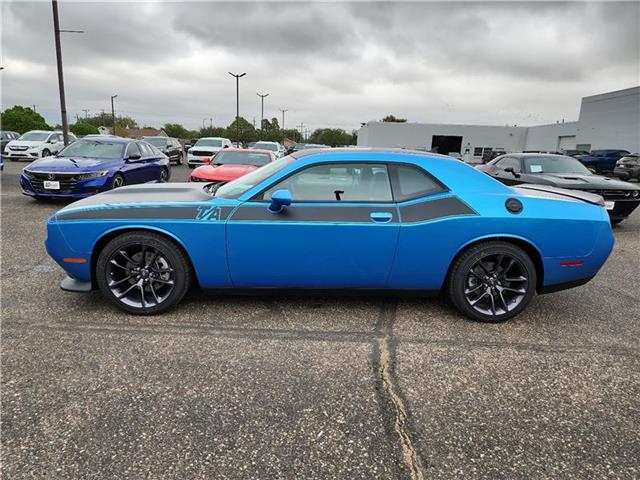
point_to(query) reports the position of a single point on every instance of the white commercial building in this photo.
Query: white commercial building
(609, 120)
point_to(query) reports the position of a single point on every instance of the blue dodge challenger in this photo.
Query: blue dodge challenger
(374, 219)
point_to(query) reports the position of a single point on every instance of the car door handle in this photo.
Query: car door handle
(381, 217)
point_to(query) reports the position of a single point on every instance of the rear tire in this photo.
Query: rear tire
(492, 282)
(143, 273)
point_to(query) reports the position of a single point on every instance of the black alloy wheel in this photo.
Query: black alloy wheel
(143, 273)
(164, 176)
(492, 281)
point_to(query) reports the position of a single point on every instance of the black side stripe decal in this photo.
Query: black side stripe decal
(299, 213)
(434, 209)
(200, 213)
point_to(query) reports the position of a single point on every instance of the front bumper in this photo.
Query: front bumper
(81, 189)
(623, 208)
(14, 155)
(625, 173)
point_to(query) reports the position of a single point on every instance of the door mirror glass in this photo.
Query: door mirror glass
(134, 156)
(279, 200)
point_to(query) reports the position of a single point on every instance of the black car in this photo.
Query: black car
(620, 198)
(190, 143)
(171, 147)
(6, 137)
(628, 167)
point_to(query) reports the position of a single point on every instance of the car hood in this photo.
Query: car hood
(223, 172)
(70, 164)
(154, 193)
(24, 143)
(580, 182)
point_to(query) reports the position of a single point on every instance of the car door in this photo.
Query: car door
(133, 169)
(150, 162)
(433, 224)
(340, 231)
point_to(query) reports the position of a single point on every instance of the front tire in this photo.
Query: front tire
(492, 282)
(46, 153)
(143, 273)
(118, 181)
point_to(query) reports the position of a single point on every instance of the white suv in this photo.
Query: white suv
(36, 144)
(275, 147)
(206, 147)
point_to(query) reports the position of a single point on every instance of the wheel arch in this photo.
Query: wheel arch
(109, 235)
(524, 244)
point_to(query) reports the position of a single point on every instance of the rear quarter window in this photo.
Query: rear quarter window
(412, 182)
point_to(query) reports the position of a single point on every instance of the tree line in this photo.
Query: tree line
(22, 119)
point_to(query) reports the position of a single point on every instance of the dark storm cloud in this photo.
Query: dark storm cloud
(330, 64)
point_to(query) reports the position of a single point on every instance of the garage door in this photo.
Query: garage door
(567, 143)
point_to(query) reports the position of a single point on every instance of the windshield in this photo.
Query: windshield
(266, 146)
(158, 142)
(34, 136)
(557, 164)
(240, 158)
(240, 185)
(100, 149)
(208, 142)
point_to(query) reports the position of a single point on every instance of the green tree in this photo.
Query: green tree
(392, 118)
(212, 132)
(82, 129)
(22, 119)
(175, 130)
(247, 132)
(334, 137)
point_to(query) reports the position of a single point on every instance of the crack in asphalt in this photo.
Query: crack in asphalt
(387, 386)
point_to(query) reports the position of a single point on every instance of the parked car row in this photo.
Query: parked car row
(562, 171)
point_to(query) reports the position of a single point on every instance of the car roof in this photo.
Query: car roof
(111, 138)
(213, 138)
(330, 151)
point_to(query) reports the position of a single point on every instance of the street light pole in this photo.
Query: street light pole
(113, 113)
(262, 110)
(238, 102)
(63, 101)
(282, 127)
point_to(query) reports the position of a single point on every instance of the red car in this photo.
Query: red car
(231, 163)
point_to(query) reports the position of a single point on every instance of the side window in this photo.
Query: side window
(411, 182)
(145, 149)
(338, 182)
(133, 149)
(509, 162)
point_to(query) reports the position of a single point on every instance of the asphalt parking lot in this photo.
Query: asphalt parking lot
(313, 387)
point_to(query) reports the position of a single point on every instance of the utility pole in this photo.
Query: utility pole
(211, 123)
(301, 127)
(34, 107)
(262, 110)
(86, 113)
(283, 112)
(102, 117)
(63, 101)
(113, 114)
(238, 77)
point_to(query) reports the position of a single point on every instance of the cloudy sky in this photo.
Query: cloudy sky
(329, 64)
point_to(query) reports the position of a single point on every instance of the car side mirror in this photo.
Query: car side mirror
(512, 172)
(207, 160)
(134, 156)
(279, 200)
(226, 146)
